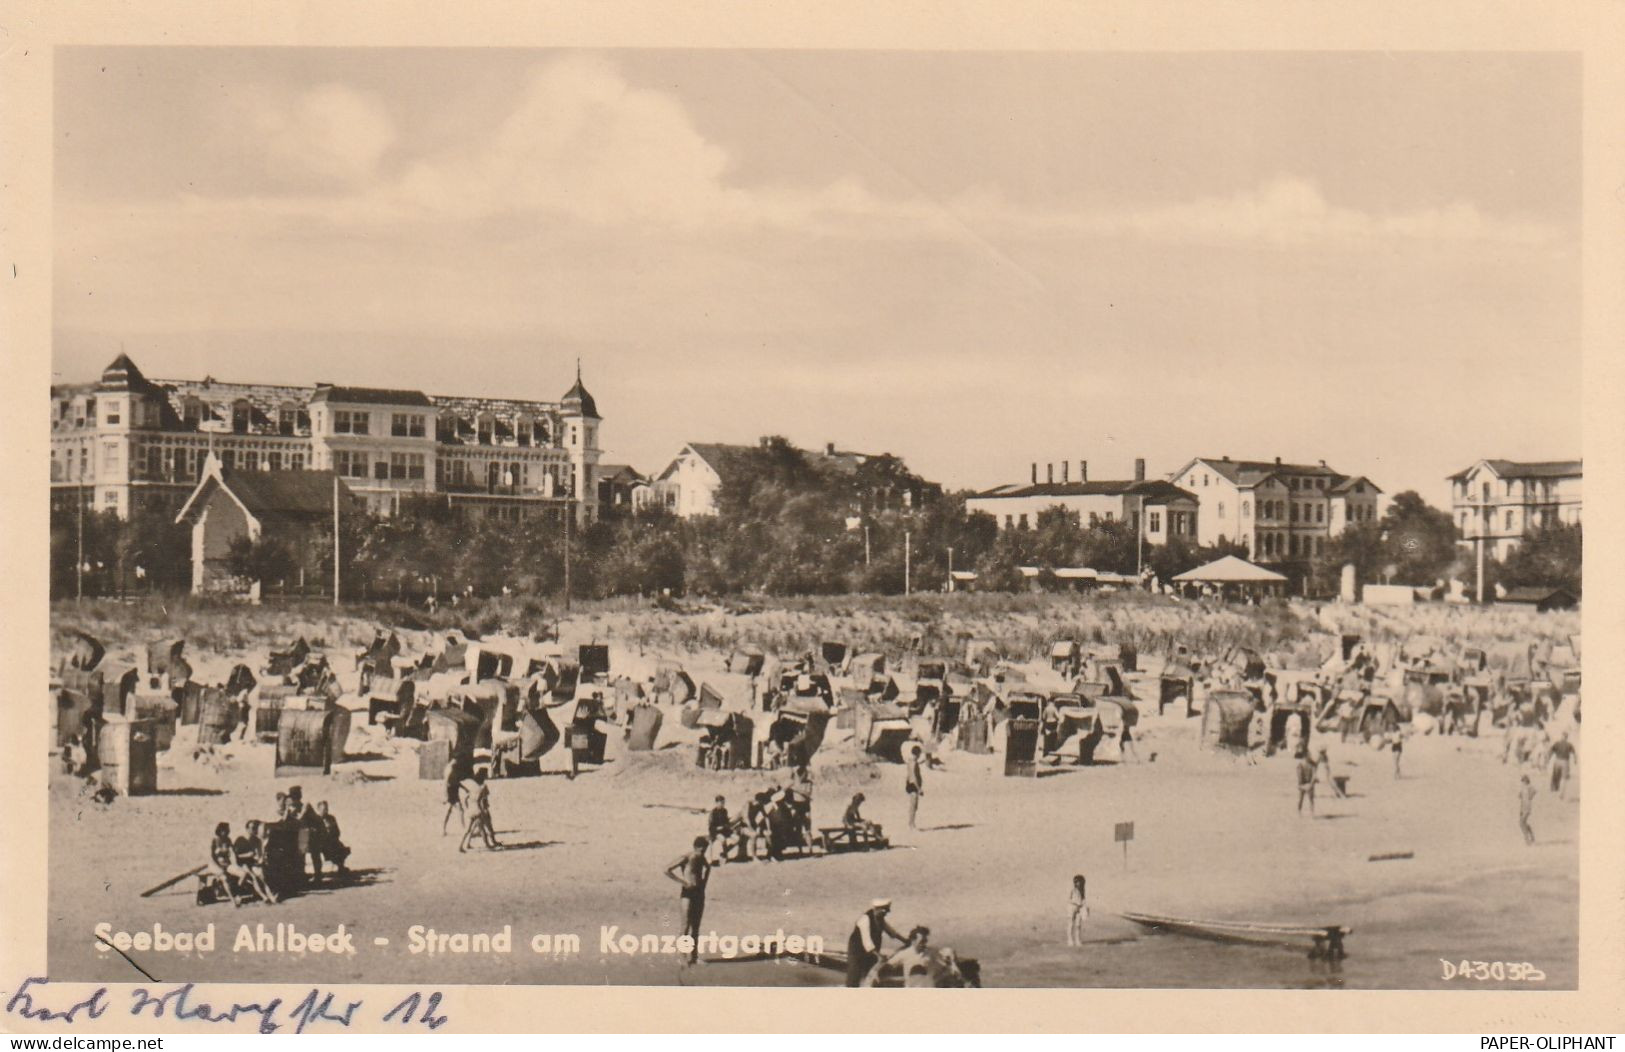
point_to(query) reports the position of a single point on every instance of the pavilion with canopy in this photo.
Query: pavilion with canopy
(1233, 577)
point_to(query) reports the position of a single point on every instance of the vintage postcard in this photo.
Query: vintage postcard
(1043, 501)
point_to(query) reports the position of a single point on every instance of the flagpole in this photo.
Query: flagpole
(335, 537)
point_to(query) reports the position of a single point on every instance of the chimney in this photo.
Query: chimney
(1139, 469)
(1322, 463)
(1277, 461)
(1066, 468)
(1051, 472)
(1083, 471)
(1035, 472)
(829, 449)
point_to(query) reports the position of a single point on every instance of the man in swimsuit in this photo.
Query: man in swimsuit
(914, 784)
(693, 872)
(1526, 807)
(1306, 782)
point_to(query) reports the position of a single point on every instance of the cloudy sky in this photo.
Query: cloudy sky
(972, 260)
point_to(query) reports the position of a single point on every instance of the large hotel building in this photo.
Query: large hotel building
(125, 443)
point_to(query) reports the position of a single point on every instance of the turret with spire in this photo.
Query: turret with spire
(580, 415)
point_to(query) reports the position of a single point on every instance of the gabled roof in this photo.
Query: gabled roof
(1348, 485)
(718, 455)
(1249, 474)
(369, 396)
(1526, 469)
(620, 472)
(271, 494)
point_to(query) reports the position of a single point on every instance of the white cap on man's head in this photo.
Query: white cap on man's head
(880, 904)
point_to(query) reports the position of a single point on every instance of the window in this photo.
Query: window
(1155, 519)
(273, 461)
(406, 425)
(1023, 518)
(348, 422)
(380, 469)
(1009, 521)
(1509, 520)
(1110, 517)
(228, 458)
(241, 414)
(1320, 513)
(155, 462)
(1246, 508)
(112, 412)
(296, 462)
(110, 498)
(1294, 511)
(1221, 509)
(287, 420)
(484, 426)
(405, 465)
(90, 412)
(350, 464)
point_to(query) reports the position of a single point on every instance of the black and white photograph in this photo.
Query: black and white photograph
(815, 517)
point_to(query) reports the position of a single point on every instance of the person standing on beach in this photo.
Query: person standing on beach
(456, 770)
(914, 784)
(1323, 762)
(480, 821)
(1563, 754)
(1526, 807)
(1399, 752)
(1080, 912)
(863, 944)
(693, 872)
(1306, 782)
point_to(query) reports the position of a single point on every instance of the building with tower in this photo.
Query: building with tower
(126, 443)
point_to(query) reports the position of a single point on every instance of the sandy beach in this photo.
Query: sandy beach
(989, 869)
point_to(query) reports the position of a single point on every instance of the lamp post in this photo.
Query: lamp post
(79, 563)
(950, 568)
(908, 552)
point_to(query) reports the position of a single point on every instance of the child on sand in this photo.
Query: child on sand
(1080, 912)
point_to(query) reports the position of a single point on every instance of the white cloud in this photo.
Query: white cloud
(583, 145)
(1283, 212)
(330, 132)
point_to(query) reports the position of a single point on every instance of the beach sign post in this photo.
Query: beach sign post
(1125, 833)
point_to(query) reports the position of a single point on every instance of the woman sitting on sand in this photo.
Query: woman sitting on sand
(249, 851)
(223, 868)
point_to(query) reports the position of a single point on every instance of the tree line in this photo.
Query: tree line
(786, 524)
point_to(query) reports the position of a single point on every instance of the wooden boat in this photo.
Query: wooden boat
(1324, 940)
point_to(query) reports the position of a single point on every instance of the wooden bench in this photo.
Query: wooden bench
(835, 839)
